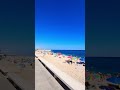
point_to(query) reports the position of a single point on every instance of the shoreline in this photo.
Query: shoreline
(71, 52)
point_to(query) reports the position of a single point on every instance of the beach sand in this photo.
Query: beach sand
(77, 72)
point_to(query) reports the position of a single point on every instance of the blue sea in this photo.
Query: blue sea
(103, 64)
(78, 53)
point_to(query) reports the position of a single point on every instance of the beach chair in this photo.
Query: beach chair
(68, 61)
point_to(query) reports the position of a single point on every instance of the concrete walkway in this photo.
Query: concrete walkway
(44, 80)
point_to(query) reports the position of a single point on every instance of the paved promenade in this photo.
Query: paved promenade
(44, 80)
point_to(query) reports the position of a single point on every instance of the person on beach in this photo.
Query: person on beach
(69, 61)
(87, 85)
(78, 61)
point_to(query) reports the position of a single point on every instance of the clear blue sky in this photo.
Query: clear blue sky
(60, 24)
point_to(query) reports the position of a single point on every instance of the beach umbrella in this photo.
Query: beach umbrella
(69, 57)
(115, 80)
(59, 53)
(74, 58)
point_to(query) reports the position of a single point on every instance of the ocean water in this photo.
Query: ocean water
(103, 64)
(78, 53)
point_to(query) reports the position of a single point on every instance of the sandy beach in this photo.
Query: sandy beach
(77, 72)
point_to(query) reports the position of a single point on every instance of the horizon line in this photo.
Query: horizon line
(59, 49)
